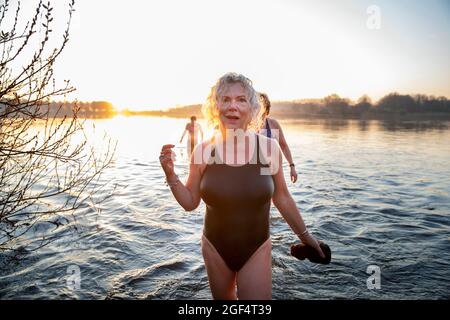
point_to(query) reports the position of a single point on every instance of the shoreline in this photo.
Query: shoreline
(365, 117)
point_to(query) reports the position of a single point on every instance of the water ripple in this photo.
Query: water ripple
(367, 193)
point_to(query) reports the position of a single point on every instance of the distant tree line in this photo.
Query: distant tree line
(333, 106)
(393, 104)
(178, 112)
(94, 109)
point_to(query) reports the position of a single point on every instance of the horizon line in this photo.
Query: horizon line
(178, 105)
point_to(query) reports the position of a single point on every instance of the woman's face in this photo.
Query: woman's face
(234, 107)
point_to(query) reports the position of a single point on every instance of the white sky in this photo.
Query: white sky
(161, 53)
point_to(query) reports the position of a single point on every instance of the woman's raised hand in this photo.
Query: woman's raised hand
(166, 159)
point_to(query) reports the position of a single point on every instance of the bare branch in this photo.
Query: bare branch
(46, 167)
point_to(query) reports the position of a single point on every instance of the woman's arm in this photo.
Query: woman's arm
(184, 132)
(286, 151)
(188, 194)
(282, 199)
(201, 132)
(282, 141)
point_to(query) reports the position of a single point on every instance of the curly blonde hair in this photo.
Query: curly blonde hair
(210, 109)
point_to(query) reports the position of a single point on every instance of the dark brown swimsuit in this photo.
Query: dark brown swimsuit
(237, 208)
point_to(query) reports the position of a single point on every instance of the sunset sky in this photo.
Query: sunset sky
(158, 54)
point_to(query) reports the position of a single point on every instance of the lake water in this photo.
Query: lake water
(377, 192)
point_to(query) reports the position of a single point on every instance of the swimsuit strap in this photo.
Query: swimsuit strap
(268, 130)
(213, 150)
(257, 150)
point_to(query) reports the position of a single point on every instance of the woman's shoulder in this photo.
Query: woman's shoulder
(274, 123)
(270, 150)
(262, 138)
(199, 156)
(268, 144)
(208, 143)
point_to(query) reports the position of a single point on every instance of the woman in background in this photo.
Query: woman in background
(193, 128)
(272, 129)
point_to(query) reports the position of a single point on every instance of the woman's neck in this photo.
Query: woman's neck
(234, 145)
(228, 134)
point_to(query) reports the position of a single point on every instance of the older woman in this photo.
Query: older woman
(236, 244)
